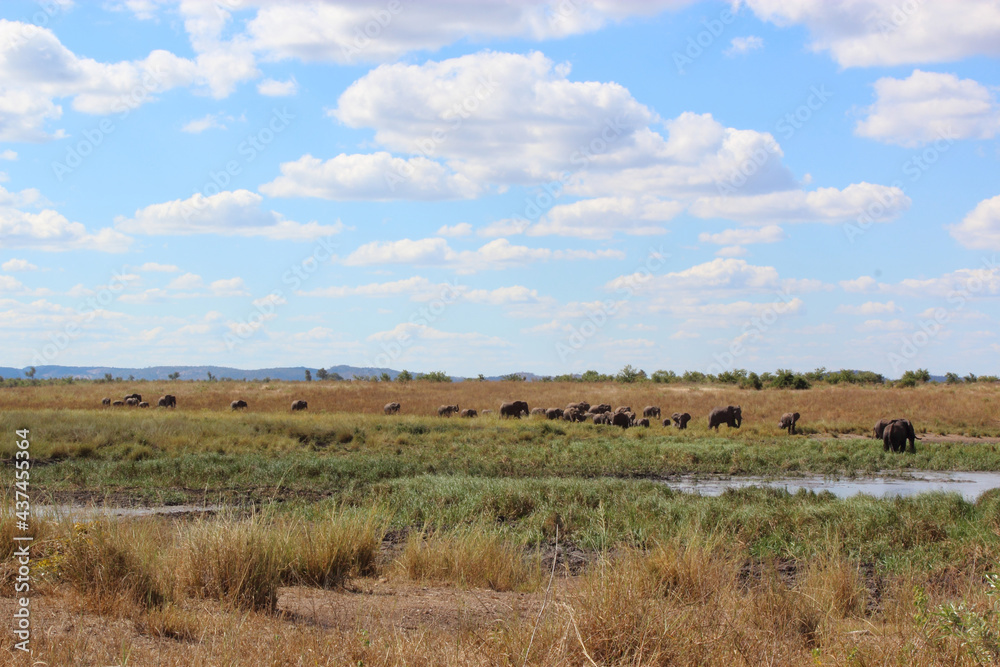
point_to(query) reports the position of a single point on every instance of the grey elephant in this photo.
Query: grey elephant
(238, 404)
(642, 422)
(167, 401)
(299, 405)
(896, 434)
(602, 418)
(880, 428)
(514, 409)
(118, 404)
(468, 413)
(582, 406)
(132, 401)
(572, 415)
(731, 415)
(623, 408)
(391, 408)
(105, 401)
(448, 410)
(554, 413)
(680, 420)
(622, 419)
(651, 411)
(487, 412)
(143, 404)
(603, 407)
(537, 412)
(788, 422)
(137, 397)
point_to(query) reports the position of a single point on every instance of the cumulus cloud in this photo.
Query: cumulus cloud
(18, 265)
(929, 106)
(738, 237)
(958, 286)
(497, 254)
(273, 88)
(228, 213)
(49, 230)
(378, 176)
(869, 33)
(742, 45)
(829, 205)
(159, 268)
(869, 308)
(600, 218)
(455, 231)
(208, 122)
(422, 332)
(980, 229)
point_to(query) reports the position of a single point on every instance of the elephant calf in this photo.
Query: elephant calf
(468, 412)
(554, 413)
(299, 405)
(105, 401)
(391, 408)
(602, 418)
(788, 422)
(448, 410)
(143, 404)
(642, 422)
(651, 411)
(537, 412)
(680, 420)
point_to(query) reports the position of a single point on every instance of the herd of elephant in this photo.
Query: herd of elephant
(894, 433)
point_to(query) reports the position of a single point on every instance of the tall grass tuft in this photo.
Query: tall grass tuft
(470, 557)
(237, 561)
(113, 563)
(325, 552)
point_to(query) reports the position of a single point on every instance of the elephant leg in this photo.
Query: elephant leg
(885, 444)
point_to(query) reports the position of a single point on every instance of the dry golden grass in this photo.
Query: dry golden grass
(839, 408)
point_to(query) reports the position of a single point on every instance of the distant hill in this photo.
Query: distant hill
(191, 372)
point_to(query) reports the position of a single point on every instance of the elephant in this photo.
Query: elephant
(514, 409)
(137, 397)
(582, 406)
(468, 412)
(642, 422)
(536, 412)
(621, 419)
(118, 404)
(896, 434)
(131, 401)
(167, 401)
(391, 408)
(788, 421)
(575, 416)
(299, 405)
(238, 404)
(603, 407)
(487, 412)
(681, 420)
(105, 401)
(623, 408)
(732, 416)
(602, 418)
(448, 410)
(554, 413)
(651, 411)
(880, 428)
(667, 422)
(143, 404)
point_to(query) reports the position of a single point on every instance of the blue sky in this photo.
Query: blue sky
(489, 187)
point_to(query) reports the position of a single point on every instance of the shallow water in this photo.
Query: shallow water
(969, 484)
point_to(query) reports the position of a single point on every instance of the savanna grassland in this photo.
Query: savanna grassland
(344, 536)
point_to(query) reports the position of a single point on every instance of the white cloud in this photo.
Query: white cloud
(188, 281)
(347, 32)
(49, 230)
(958, 286)
(273, 88)
(929, 106)
(862, 284)
(828, 205)
(884, 325)
(743, 45)
(159, 268)
(980, 229)
(681, 334)
(414, 285)
(11, 285)
(422, 332)
(18, 265)
(455, 231)
(229, 213)
(8, 154)
(228, 287)
(378, 176)
(768, 234)
(208, 122)
(731, 251)
(870, 308)
(600, 218)
(867, 33)
(497, 254)
(718, 274)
